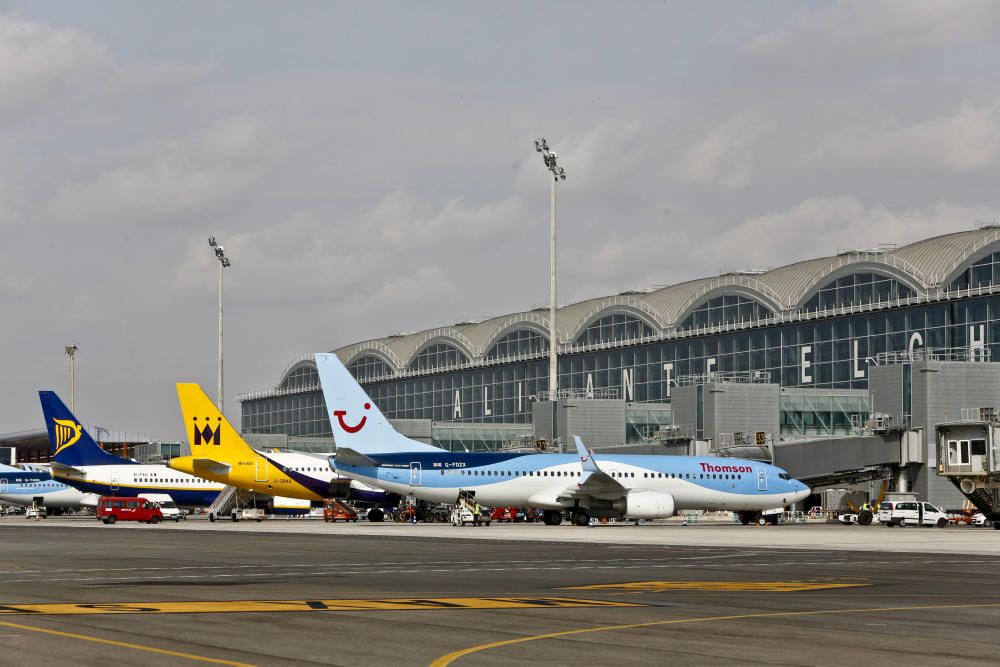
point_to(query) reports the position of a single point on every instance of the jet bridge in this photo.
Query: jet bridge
(968, 455)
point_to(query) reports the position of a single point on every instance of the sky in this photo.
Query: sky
(370, 169)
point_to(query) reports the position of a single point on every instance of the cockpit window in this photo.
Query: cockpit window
(784, 475)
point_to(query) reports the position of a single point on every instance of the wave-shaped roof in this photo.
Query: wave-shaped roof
(926, 266)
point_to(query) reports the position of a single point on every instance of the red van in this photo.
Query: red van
(113, 508)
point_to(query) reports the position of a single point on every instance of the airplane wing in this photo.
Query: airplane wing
(210, 466)
(594, 483)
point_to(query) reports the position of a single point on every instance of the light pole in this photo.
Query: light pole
(224, 263)
(558, 173)
(71, 351)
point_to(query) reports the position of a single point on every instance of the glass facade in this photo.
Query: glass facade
(522, 342)
(620, 326)
(367, 367)
(302, 377)
(728, 309)
(828, 352)
(440, 355)
(984, 272)
(858, 289)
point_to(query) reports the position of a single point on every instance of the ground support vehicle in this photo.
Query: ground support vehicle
(248, 514)
(501, 514)
(911, 513)
(335, 510)
(167, 505)
(111, 509)
(35, 513)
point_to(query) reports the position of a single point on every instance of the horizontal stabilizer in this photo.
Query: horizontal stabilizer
(211, 466)
(352, 458)
(65, 470)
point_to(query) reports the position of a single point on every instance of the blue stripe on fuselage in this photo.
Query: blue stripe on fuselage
(186, 497)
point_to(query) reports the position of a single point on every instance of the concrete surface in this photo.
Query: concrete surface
(402, 595)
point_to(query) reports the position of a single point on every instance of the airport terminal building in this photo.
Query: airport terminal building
(819, 324)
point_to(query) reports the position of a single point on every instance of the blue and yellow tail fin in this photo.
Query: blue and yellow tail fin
(69, 442)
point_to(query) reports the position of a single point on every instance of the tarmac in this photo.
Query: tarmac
(301, 592)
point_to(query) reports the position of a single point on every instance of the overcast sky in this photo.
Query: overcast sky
(369, 167)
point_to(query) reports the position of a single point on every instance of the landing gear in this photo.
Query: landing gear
(375, 515)
(746, 518)
(552, 517)
(581, 518)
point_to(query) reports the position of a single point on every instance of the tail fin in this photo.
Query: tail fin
(209, 433)
(356, 421)
(69, 442)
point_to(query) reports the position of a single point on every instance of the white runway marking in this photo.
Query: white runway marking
(433, 567)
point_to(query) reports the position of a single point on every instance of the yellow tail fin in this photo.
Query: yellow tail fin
(209, 433)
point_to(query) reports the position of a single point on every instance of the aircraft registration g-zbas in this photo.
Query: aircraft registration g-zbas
(636, 486)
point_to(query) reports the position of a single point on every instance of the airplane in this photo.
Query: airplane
(36, 487)
(636, 486)
(221, 455)
(81, 463)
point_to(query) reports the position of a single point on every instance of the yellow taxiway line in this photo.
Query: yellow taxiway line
(237, 606)
(718, 586)
(137, 647)
(446, 660)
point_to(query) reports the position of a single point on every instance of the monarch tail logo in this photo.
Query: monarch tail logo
(206, 435)
(67, 433)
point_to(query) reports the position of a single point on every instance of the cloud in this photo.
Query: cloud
(194, 175)
(36, 59)
(818, 227)
(859, 29)
(725, 157)
(968, 140)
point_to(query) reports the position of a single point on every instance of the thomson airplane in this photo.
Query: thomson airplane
(80, 462)
(220, 454)
(637, 486)
(30, 487)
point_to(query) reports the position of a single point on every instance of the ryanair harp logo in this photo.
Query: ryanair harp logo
(206, 435)
(67, 433)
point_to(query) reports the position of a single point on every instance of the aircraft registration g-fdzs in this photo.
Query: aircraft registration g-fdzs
(636, 486)
(220, 454)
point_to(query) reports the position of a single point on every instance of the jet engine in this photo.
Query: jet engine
(646, 505)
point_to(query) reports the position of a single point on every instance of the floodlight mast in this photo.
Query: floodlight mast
(224, 263)
(558, 174)
(71, 351)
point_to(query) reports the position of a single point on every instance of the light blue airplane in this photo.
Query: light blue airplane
(36, 487)
(636, 486)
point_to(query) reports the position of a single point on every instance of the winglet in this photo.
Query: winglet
(587, 461)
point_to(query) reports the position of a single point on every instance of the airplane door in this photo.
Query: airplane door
(3, 487)
(761, 479)
(415, 473)
(114, 481)
(259, 469)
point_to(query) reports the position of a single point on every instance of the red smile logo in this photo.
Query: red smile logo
(340, 414)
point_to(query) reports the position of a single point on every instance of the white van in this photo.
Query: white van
(911, 513)
(167, 506)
